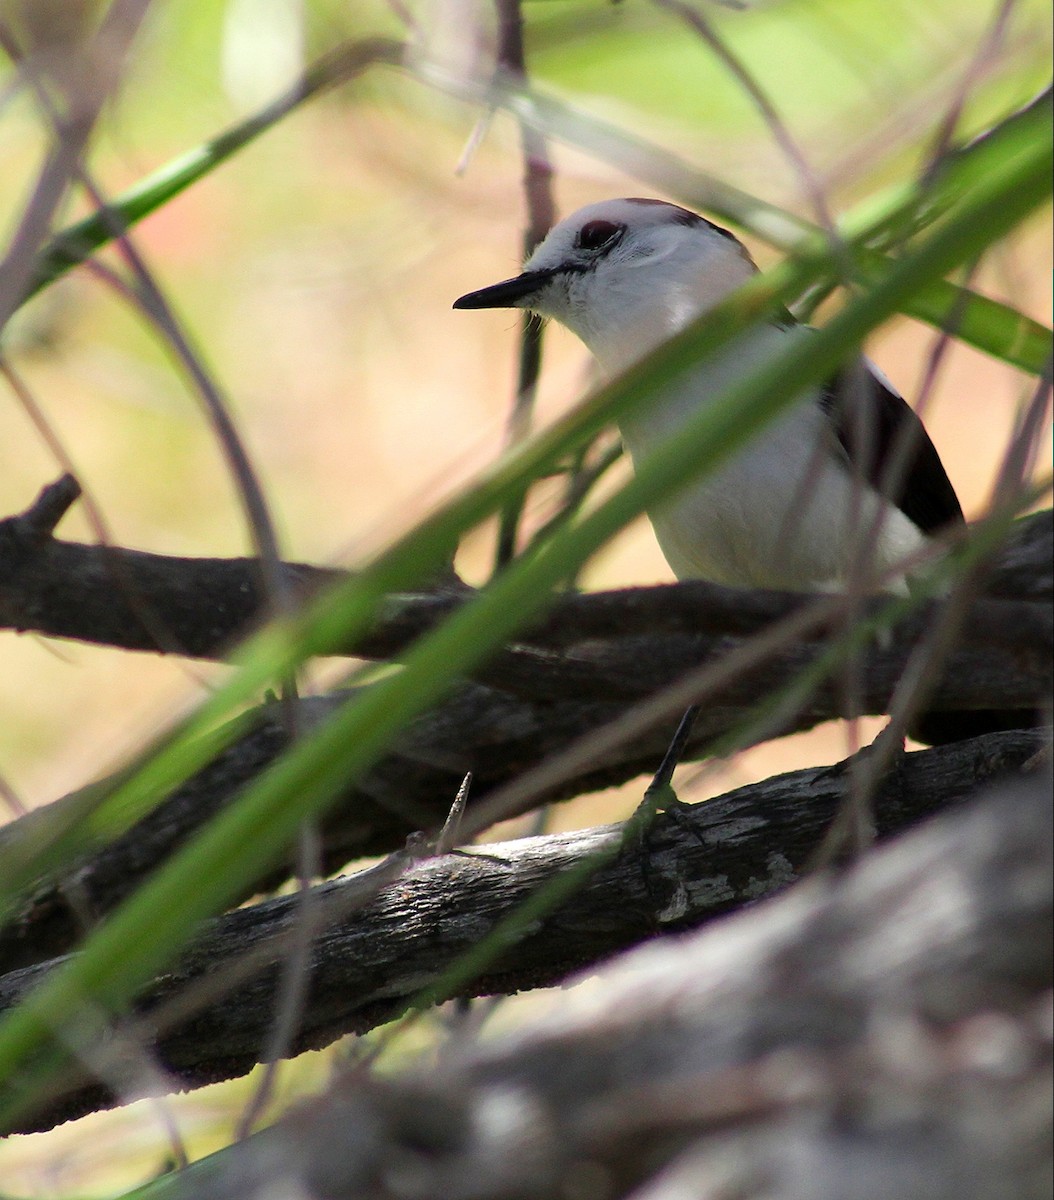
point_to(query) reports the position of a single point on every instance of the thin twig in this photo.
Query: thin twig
(810, 185)
(541, 211)
(281, 601)
(97, 75)
(991, 43)
(1020, 457)
(867, 770)
(11, 798)
(580, 480)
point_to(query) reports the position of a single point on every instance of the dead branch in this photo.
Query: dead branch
(205, 605)
(367, 967)
(495, 735)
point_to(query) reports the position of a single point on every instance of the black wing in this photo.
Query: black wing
(888, 445)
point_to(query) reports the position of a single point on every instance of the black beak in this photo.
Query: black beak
(509, 294)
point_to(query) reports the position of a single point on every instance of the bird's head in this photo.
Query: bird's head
(624, 275)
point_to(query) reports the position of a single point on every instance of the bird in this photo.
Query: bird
(786, 512)
(848, 460)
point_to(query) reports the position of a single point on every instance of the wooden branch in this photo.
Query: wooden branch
(881, 1034)
(709, 859)
(200, 606)
(606, 646)
(496, 736)
(128, 599)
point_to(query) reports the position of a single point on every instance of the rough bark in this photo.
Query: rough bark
(883, 1035)
(200, 607)
(374, 954)
(497, 737)
(478, 729)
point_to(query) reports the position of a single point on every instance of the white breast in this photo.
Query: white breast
(781, 513)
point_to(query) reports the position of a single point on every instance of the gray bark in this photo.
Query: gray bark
(373, 954)
(880, 1035)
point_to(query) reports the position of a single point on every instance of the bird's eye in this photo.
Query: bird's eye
(595, 234)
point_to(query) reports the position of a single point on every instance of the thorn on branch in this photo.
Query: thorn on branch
(659, 796)
(676, 748)
(420, 846)
(448, 835)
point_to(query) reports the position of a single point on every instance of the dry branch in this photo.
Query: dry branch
(203, 606)
(881, 1035)
(496, 736)
(367, 967)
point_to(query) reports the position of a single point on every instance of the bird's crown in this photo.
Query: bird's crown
(622, 229)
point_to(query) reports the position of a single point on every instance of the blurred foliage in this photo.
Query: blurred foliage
(820, 61)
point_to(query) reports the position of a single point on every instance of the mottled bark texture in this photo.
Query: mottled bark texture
(571, 675)
(376, 947)
(883, 1034)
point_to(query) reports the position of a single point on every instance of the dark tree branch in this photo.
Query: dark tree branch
(66, 589)
(496, 736)
(368, 967)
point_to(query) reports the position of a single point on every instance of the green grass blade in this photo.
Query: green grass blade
(79, 242)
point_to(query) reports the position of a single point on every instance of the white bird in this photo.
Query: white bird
(789, 510)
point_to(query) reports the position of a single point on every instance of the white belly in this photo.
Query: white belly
(781, 513)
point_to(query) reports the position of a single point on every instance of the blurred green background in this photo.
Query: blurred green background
(316, 272)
